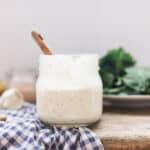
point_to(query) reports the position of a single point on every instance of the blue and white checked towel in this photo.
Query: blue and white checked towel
(24, 131)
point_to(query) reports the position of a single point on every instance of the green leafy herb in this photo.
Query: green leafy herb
(120, 75)
(113, 65)
(137, 79)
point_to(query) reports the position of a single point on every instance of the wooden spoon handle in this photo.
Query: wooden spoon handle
(40, 41)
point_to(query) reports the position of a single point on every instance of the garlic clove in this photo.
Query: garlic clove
(12, 99)
(1, 103)
(3, 117)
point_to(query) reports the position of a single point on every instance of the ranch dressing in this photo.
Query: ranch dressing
(69, 90)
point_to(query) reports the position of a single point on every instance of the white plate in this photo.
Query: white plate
(128, 100)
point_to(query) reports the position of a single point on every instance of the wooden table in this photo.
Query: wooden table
(124, 129)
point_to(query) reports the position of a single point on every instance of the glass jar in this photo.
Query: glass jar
(69, 90)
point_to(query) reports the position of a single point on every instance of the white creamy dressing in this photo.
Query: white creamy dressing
(69, 89)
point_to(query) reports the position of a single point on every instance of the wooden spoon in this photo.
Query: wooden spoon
(40, 41)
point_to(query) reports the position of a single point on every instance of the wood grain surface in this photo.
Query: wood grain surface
(124, 129)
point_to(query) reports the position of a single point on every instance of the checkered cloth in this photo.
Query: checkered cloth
(24, 131)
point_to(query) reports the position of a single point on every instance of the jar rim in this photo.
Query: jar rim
(69, 55)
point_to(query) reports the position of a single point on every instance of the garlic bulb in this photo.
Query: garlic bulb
(12, 99)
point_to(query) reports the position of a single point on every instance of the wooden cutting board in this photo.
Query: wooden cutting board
(124, 129)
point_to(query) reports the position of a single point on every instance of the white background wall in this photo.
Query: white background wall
(72, 26)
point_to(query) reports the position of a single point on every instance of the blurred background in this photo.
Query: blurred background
(71, 26)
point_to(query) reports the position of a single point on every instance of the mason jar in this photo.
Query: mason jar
(69, 90)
